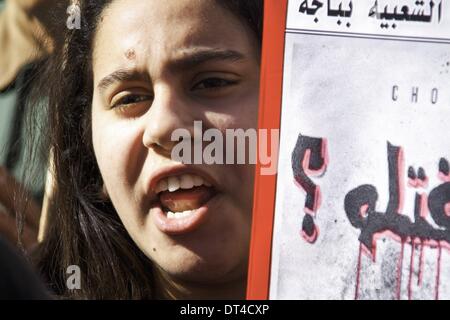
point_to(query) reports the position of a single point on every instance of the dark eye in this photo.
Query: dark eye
(131, 99)
(213, 83)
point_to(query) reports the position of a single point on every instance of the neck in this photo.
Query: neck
(168, 288)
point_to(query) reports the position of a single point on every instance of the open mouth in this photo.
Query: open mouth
(181, 195)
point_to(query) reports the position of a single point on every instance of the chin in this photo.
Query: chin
(209, 266)
(204, 272)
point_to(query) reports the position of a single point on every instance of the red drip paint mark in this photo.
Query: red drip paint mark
(420, 276)
(363, 211)
(411, 271)
(317, 197)
(400, 186)
(438, 272)
(311, 172)
(424, 211)
(317, 202)
(363, 250)
(312, 238)
(390, 234)
(423, 243)
(379, 235)
(358, 271)
(444, 177)
(412, 183)
(418, 183)
(447, 209)
(325, 154)
(423, 183)
(444, 244)
(370, 254)
(307, 159)
(400, 271)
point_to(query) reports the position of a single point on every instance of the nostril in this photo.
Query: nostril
(160, 149)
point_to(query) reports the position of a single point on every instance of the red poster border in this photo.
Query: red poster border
(275, 14)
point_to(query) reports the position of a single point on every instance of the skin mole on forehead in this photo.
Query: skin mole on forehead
(130, 54)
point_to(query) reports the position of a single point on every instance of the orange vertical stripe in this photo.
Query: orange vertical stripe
(275, 13)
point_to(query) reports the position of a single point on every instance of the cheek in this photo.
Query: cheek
(239, 113)
(244, 111)
(115, 146)
(242, 115)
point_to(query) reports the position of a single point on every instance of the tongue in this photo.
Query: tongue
(183, 200)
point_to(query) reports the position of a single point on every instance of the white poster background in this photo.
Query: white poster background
(339, 86)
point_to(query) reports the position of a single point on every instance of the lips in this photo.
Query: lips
(183, 199)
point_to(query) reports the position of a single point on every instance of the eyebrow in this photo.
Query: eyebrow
(190, 59)
(121, 75)
(187, 60)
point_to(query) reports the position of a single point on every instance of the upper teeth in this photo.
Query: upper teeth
(185, 181)
(179, 215)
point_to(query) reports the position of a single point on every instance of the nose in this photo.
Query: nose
(168, 112)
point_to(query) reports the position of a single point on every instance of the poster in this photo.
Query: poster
(360, 205)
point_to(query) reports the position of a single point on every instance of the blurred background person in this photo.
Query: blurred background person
(27, 38)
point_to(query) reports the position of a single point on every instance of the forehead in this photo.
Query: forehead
(142, 32)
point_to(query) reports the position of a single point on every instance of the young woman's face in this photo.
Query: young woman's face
(159, 66)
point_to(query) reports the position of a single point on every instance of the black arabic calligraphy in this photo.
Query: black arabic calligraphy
(360, 207)
(405, 13)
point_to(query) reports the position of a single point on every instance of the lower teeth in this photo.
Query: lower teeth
(179, 215)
